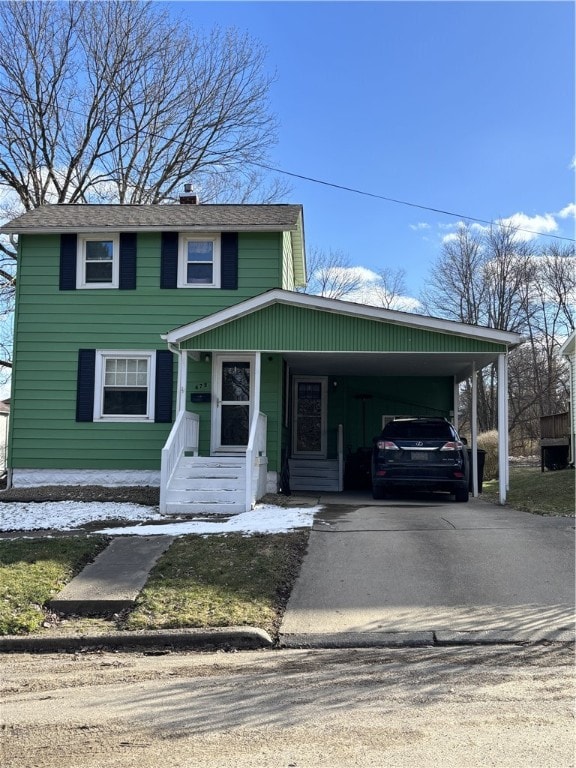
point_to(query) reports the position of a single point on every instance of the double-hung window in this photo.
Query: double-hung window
(199, 261)
(124, 388)
(97, 261)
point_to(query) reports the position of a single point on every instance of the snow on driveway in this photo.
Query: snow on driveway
(69, 515)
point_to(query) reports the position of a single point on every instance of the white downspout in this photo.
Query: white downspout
(474, 430)
(182, 377)
(503, 477)
(456, 401)
(257, 378)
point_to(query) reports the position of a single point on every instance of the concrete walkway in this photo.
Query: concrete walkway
(112, 582)
(435, 571)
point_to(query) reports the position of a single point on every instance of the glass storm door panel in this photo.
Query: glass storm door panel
(309, 427)
(233, 404)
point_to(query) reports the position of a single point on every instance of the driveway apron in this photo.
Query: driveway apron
(433, 566)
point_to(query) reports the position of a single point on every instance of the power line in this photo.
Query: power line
(156, 135)
(405, 202)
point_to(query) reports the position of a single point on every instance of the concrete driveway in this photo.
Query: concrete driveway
(433, 567)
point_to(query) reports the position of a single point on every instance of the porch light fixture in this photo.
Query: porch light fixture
(207, 357)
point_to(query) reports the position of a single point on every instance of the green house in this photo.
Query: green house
(167, 345)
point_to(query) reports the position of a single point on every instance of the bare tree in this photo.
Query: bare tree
(390, 290)
(331, 274)
(115, 101)
(119, 102)
(496, 278)
(456, 288)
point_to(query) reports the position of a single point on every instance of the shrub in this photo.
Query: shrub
(488, 441)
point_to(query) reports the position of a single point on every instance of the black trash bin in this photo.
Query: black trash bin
(556, 456)
(481, 455)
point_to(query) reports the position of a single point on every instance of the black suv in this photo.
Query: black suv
(423, 454)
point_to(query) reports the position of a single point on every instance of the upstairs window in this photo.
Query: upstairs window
(98, 261)
(123, 390)
(199, 261)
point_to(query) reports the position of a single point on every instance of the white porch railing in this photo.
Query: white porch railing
(183, 437)
(340, 450)
(256, 461)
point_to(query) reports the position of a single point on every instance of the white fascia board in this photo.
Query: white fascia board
(569, 346)
(339, 307)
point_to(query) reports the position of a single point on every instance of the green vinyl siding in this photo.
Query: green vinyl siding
(393, 395)
(285, 328)
(52, 325)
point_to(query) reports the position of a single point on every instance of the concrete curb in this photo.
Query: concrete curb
(358, 640)
(424, 639)
(189, 639)
(504, 636)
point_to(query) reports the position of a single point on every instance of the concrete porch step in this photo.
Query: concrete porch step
(204, 507)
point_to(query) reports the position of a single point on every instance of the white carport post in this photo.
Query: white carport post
(503, 447)
(474, 430)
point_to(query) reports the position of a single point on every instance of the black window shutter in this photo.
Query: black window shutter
(68, 244)
(229, 261)
(85, 385)
(169, 260)
(164, 386)
(127, 276)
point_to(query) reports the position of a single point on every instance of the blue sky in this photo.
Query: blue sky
(461, 106)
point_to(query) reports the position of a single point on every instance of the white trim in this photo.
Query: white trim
(474, 431)
(323, 381)
(112, 478)
(290, 298)
(502, 394)
(186, 237)
(81, 283)
(104, 354)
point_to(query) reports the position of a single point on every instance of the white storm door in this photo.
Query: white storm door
(309, 416)
(233, 378)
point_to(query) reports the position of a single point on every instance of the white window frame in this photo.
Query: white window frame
(81, 260)
(184, 239)
(101, 357)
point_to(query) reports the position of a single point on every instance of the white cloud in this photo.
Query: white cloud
(568, 212)
(421, 225)
(529, 227)
(450, 238)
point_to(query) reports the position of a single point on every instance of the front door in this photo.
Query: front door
(232, 403)
(309, 416)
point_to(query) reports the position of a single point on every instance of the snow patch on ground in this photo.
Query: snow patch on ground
(69, 515)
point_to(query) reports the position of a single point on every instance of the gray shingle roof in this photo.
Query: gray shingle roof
(92, 218)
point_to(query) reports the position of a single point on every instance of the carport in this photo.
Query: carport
(322, 374)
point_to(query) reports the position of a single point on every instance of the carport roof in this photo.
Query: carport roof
(315, 333)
